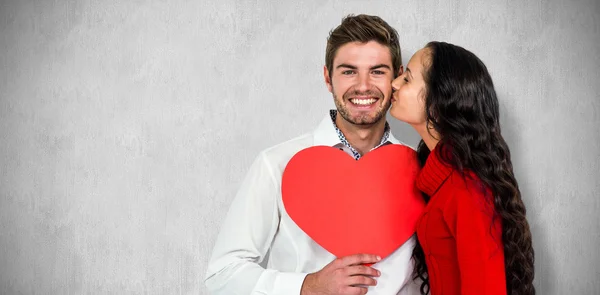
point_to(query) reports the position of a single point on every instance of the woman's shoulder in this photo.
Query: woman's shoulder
(466, 190)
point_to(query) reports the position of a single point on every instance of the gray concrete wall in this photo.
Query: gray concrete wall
(127, 126)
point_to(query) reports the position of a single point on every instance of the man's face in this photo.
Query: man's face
(361, 82)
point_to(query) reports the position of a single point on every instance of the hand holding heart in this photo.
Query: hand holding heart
(343, 276)
(367, 206)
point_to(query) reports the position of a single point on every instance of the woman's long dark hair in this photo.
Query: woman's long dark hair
(462, 107)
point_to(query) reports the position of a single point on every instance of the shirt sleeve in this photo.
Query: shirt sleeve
(245, 238)
(469, 216)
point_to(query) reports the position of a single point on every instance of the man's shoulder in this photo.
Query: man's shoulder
(277, 157)
(284, 151)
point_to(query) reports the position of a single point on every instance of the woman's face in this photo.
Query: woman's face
(408, 99)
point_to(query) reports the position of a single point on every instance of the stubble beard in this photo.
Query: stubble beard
(365, 118)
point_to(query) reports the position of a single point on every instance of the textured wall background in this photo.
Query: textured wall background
(127, 126)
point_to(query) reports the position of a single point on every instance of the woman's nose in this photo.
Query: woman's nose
(396, 84)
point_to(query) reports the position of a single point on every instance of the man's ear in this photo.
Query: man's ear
(400, 70)
(327, 79)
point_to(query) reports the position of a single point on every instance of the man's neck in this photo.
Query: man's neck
(363, 138)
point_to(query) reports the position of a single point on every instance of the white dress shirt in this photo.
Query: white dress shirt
(257, 225)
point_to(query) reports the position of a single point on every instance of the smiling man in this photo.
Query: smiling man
(362, 58)
(359, 79)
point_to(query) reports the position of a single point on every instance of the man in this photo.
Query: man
(362, 58)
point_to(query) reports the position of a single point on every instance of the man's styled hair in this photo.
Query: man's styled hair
(363, 28)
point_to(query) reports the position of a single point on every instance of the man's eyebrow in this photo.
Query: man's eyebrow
(381, 66)
(346, 66)
(355, 67)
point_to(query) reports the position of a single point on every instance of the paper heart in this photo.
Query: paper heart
(347, 206)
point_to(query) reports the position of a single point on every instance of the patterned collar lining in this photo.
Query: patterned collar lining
(355, 153)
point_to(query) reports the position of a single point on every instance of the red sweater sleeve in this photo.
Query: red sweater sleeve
(469, 217)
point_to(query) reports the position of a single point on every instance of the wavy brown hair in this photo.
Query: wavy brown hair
(462, 107)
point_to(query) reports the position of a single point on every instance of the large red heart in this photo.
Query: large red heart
(347, 206)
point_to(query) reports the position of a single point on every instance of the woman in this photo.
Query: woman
(473, 236)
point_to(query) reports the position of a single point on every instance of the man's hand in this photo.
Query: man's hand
(343, 276)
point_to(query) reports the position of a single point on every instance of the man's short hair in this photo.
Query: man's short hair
(363, 28)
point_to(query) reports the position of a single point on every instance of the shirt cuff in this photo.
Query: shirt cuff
(289, 283)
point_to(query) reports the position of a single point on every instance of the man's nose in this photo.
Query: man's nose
(364, 83)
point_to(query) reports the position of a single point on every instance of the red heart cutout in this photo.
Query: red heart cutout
(347, 206)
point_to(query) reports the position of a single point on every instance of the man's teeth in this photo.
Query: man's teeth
(363, 101)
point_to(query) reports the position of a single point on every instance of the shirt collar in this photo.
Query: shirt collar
(326, 134)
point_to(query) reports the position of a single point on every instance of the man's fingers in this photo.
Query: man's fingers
(361, 270)
(356, 290)
(360, 281)
(358, 259)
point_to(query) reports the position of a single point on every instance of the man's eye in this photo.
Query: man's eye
(348, 72)
(378, 72)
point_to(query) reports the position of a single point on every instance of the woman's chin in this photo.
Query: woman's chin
(397, 115)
